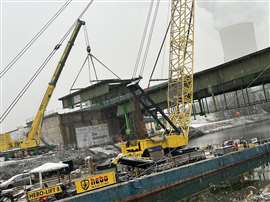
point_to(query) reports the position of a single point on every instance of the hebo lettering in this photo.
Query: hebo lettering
(95, 182)
(32, 195)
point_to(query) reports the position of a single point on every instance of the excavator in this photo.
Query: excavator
(180, 94)
(33, 138)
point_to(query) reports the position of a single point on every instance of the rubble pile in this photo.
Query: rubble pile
(99, 154)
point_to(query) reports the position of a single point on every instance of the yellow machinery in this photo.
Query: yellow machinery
(33, 138)
(180, 87)
(180, 83)
(6, 142)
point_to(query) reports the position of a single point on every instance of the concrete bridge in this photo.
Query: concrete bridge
(240, 83)
(237, 75)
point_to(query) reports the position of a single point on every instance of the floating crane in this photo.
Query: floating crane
(180, 89)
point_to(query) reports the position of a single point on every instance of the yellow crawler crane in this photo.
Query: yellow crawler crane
(180, 88)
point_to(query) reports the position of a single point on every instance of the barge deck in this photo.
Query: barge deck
(157, 182)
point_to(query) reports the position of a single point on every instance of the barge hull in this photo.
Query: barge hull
(148, 185)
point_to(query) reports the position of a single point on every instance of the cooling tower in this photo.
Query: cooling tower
(238, 40)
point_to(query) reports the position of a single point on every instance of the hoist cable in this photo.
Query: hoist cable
(105, 66)
(149, 39)
(143, 39)
(48, 58)
(86, 37)
(34, 39)
(88, 48)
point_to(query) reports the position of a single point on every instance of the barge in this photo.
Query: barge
(155, 183)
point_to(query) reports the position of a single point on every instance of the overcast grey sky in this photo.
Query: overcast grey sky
(115, 29)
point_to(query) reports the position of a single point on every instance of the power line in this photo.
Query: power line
(41, 67)
(149, 39)
(143, 39)
(33, 40)
(28, 84)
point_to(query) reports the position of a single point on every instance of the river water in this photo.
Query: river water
(245, 182)
(260, 130)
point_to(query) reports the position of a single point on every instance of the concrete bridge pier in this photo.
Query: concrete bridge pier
(214, 102)
(237, 99)
(264, 92)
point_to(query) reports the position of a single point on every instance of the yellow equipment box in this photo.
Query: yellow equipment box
(95, 182)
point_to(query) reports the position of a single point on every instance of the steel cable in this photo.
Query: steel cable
(77, 76)
(92, 56)
(93, 64)
(88, 49)
(41, 67)
(165, 45)
(160, 49)
(86, 36)
(159, 52)
(143, 39)
(149, 39)
(26, 87)
(33, 40)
